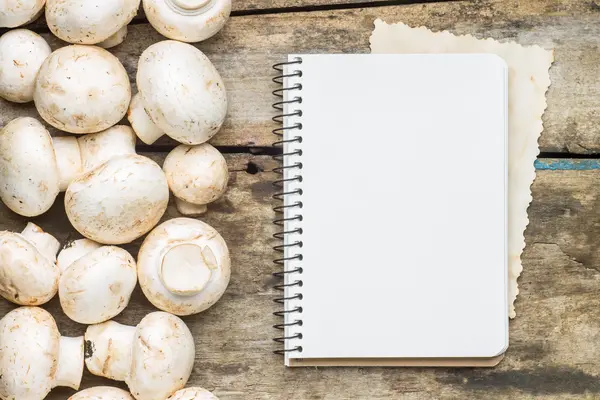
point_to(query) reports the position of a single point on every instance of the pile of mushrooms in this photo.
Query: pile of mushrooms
(112, 196)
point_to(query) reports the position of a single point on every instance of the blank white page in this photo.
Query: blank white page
(404, 170)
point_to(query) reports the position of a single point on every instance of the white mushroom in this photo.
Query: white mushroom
(118, 201)
(187, 20)
(184, 266)
(29, 179)
(197, 176)
(76, 156)
(34, 167)
(22, 53)
(16, 13)
(101, 393)
(34, 358)
(193, 393)
(97, 286)
(189, 106)
(28, 271)
(155, 358)
(82, 89)
(89, 21)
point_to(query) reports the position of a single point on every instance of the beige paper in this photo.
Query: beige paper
(528, 81)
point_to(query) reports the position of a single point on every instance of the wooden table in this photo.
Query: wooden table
(555, 339)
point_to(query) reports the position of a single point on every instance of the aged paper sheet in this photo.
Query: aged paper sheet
(528, 82)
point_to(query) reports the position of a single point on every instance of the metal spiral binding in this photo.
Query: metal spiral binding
(288, 213)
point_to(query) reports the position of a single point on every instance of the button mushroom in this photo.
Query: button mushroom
(184, 266)
(101, 393)
(193, 393)
(76, 156)
(189, 106)
(32, 172)
(28, 271)
(187, 20)
(98, 284)
(34, 358)
(89, 21)
(155, 358)
(17, 13)
(82, 89)
(118, 201)
(197, 175)
(29, 180)
(22, 53)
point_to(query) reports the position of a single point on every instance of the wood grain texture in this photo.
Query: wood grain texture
(247, 47)
(553, 351)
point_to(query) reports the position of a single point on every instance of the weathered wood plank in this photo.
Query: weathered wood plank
(554, 340)
(245, 50)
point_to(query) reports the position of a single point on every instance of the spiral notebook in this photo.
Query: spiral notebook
(393, 216)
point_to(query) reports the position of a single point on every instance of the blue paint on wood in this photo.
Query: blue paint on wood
(567, 164)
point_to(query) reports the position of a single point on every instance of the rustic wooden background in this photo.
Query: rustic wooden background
(554, 341)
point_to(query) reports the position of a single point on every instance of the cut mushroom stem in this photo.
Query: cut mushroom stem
(189, 209)
(186, 269)
(116, 39)
(109, 349)
(70, 362)
(74, 251)
(76, 156)
(141, 122)
(45, 243)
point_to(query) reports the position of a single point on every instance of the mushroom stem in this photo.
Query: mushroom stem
(70, 363)
(186, 269)
(188, 6)
(109, 352)
(46, 244)
(190, 209)
(74, 252)
(68, 159)
(141, 122)
(75, 156)
(116, 39)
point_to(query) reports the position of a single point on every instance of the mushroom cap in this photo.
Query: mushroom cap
(162, 357)
(17, 13)
(82, 89)
(98, 286)
(28, 168)
(187, 20)
(89, 21)
(27, 277)
(182, 91)
(22, 53)
(102, 393)
(118, 201)
(184, 266)
(196, 174)
(193, 393)
(29, 344)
